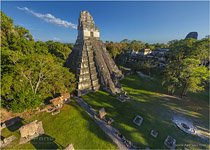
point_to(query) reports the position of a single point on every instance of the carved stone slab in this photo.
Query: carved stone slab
(154, 133)
(138, 120)
(170, 142)
(31, 131)
(102, 113)
(7, 141)
(69, 147)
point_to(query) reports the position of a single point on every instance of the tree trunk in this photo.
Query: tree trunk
(37, 85)
(184, 91)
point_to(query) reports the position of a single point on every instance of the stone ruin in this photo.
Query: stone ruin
(90, 60)
(69, 147)
(170, 142)
(127, 143)
(154, 133)
(57, 103)
(187, 126)
(31, 131)
(6, 141)
(110, 121)
(102, 113)
(123, 97)
(184, 124)
(138, 120)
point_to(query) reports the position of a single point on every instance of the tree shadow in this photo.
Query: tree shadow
(156, 110)
(14, 123)
(47, 100)
(44, 142)
(2, 138)
(92, 125)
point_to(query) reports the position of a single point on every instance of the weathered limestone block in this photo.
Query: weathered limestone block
(154, 133)
(30, 131)
(65, 96)
(69, 147)
(3, 125)
(170, 142)
(7, 141)
(138, 120)
(110, 121)
(102, 113)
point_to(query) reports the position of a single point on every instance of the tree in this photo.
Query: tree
(184, 69)
(31, 71)
(192, 75)
(59, 50)
(201, 50)
(136, 45)
(116, 48)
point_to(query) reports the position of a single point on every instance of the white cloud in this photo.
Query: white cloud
(49, 18)
(56, 39)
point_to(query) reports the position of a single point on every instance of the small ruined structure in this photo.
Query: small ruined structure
(102, 113)
(3, 125)
(193, 35)
(31, 131)
(69, 147)
(186, 125)
(59, 101)
(154, 133)
(170, 142)
(123, 97)
(110, 121)
(90, 60)
(7, 141)
(138, 120)
(145, 51)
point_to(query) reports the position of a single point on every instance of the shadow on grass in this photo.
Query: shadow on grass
(14, 124)
(92, 126)
(136, 82)
(47, 100)
(44, 142)
(156, 111)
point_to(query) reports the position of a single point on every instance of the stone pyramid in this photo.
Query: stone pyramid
(90, 60)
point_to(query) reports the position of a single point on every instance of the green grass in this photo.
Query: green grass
(157, 111)
(72, 125)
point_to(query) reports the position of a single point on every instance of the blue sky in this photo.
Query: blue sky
(150, 22)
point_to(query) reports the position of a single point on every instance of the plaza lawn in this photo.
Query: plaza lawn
(157, 109)
(72, 125)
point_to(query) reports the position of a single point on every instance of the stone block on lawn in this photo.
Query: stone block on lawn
(3, 125)
(138, 120)
(102, 113)
(154, 133)
(170, 142)
(110, 121)
(31, 131)
(56, 111)
(7, 141)
(69, 147)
